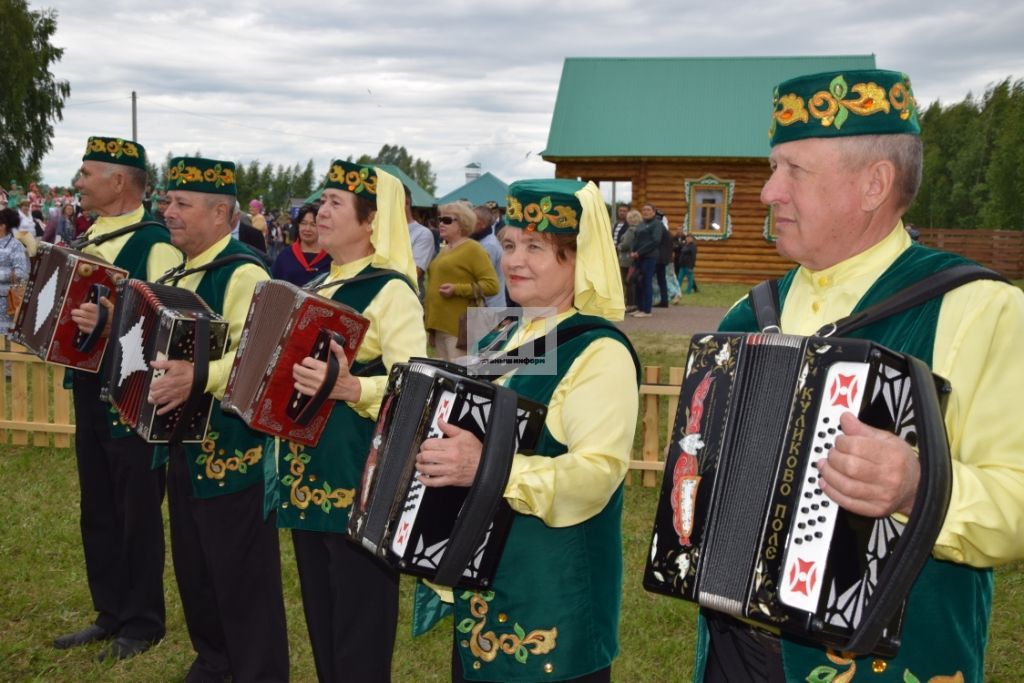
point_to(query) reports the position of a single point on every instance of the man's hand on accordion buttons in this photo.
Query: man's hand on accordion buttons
(86, 315)
(309, 376)
(870, 471)
(171, 389)
(451, 461)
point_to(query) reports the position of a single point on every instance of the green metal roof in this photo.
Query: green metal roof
(478, 191)
(420, 197)
(674, 106)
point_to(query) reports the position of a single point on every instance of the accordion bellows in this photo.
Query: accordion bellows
(60, 281)
(159, 322)
(742, 525)
(452, 535)
(284, 325)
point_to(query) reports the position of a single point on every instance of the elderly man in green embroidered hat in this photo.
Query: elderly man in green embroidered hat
(846, 163)
(122, 527)
(226, 557)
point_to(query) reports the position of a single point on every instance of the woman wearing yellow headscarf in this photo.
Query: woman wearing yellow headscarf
(351, 600)
(553, 609)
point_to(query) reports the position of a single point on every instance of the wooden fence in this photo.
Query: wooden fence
(45, 417)
(35, 408)
(1000, 250)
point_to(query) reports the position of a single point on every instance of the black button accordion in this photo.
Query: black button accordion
(742, 526)
(160, 322)
(451, 535)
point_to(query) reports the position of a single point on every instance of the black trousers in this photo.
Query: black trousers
(228, 568)
(122, 525)
(601, 676)
(738, 652)
(351, 605)
(660, 273)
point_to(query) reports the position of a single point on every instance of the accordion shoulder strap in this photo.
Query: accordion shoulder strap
(175, 275)
(935, 285)
(320, 282)
(82, 243)
(764, 300)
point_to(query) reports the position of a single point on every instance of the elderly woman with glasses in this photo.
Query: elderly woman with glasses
(552, 610)
(460, 276)
(304, 259)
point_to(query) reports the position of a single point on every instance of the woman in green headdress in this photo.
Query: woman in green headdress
(553, 611)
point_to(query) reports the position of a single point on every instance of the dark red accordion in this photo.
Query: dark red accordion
(286, 324)
(60, 281)
(159, 322)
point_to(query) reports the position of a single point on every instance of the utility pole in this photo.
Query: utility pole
(135, 120)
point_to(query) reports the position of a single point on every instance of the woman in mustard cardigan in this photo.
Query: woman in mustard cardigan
(460, 276)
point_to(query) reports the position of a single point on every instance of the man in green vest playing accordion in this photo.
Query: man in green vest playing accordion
(226, 556)
(846, 163)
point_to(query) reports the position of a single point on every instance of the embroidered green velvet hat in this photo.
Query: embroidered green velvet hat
(115, 151)
(196, 174)
(843, 103)
(547, 205)
(354, 178)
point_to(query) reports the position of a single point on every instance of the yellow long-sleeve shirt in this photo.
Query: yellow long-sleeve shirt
(593, 412)
(236, 306)
(979, 328)
(395, 334)
(162, 256)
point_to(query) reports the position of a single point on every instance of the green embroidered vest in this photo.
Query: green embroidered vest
(553, 612)
(945, 628)
(314, 486)
(229, 457)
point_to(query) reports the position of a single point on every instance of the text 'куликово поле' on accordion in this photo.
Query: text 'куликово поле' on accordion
(284, 325)
(160, 322)
(60, 281)
(451, 535)
(742, 526)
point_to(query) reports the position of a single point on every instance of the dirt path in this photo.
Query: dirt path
(675, 320)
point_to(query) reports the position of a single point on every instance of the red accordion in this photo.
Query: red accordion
(159, 322)
(62, 280)
(286, 324)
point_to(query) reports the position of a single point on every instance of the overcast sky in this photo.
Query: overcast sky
(453, 81)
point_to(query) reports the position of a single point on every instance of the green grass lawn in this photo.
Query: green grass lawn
(45, 593)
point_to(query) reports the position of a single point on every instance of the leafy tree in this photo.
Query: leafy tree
(30, 98)
(396, 155)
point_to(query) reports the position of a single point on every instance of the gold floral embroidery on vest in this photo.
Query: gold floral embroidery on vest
(828, 674)
(217, 466)
(487, 646)
(301, 496)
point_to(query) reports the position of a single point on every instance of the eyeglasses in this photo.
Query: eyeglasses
(447, 220)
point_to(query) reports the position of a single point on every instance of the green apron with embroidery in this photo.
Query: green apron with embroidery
(945, 628)
(229, 457)
(553, 612)
(314, 486)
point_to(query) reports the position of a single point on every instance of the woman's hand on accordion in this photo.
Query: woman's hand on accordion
(449, 461)
(86, 315)
(310, 373)
(171, 389)
(870, 471)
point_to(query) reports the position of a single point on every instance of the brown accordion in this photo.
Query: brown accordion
(60, 281)
(451, 535)
(286, 324)
(743, 527)
(159, 322)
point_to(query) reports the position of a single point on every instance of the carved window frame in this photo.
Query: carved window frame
(769, 226)
(697, 205)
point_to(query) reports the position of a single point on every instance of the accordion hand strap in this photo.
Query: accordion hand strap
(200, 375)
(82, 242)
(915, 543)
(84, 343)
(324, 392)
(485, 493)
